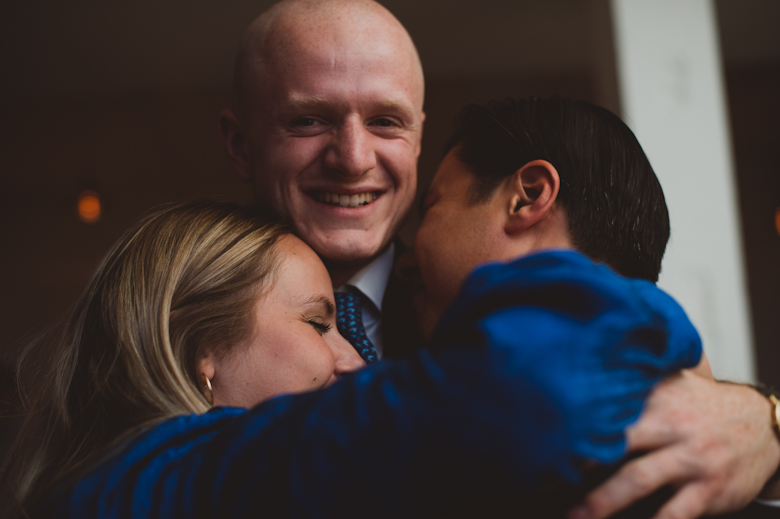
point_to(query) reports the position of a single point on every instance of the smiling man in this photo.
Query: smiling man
(326, 126)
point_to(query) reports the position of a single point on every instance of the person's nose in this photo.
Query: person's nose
(351, 151)
(347, 358)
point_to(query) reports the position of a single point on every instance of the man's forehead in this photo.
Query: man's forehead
(336, 37)
(453, 181)
(359, 26)
(338, 51)
(453, 174)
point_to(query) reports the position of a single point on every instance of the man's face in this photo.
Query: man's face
(333, 146)
(454, 237)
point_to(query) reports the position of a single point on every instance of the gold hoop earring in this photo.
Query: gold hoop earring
(208, 391)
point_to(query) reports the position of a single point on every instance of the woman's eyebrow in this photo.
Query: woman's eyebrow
(321, 300)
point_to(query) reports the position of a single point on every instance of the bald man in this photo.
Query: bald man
(326, 127)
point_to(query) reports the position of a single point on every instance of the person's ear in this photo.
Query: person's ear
(234, 139)
(533, 190)
(206, 371)
(207, 366)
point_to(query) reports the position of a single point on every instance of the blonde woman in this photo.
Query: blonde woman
(155, 398)
(168, 326)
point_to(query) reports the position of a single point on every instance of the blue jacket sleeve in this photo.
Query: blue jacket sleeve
(537, 368)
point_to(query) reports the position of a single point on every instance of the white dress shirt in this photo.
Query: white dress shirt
(371, 281)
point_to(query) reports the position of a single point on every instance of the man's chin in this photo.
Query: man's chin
(347, 246)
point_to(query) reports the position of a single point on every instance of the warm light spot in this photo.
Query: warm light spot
(89, 207)
(777, 220)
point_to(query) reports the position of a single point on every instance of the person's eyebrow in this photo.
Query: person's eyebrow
(323, 301)
(395, 104)
(308, 101)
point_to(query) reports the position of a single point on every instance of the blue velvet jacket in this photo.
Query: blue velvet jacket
(536, 369)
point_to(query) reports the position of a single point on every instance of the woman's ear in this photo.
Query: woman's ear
(206, 372)
(532, 191)
(206, 365)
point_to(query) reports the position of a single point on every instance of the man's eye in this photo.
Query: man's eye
(383, 122)
(304, 121)
(322, 328)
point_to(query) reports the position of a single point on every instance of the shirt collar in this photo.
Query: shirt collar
(372, 279)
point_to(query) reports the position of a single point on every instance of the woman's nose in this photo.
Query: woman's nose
(347, 358)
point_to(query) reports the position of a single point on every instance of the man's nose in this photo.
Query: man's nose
(351, 151)
(347, 358)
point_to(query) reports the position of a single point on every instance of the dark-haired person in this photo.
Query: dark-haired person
(575, 167)
(554, 174)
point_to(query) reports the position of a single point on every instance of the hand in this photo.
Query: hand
(712, 441)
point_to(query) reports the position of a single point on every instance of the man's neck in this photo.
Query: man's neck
(341, 272)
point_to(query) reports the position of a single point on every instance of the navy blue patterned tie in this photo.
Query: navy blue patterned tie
(349, 321)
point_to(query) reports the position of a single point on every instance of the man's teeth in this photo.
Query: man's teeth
(346, 200)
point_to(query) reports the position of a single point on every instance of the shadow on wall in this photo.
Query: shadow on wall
(135, 153)
(754, 110)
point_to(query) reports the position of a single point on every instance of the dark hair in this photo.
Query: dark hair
(615, 205)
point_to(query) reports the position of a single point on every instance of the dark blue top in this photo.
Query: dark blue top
(538, 367)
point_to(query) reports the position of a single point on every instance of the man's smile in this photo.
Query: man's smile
(345, 200)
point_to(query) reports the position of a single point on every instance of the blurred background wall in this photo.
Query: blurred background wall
(122, 98)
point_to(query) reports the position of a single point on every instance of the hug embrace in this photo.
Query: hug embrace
(202, 372)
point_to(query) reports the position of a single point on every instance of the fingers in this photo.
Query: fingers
(689, 502)
(667, 413)
(711, 441)
(635, 480)
(650, 432)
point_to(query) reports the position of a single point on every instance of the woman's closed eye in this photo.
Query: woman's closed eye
(322, 328)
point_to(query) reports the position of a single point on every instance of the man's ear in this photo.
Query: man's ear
(533, 190)
(233, 137)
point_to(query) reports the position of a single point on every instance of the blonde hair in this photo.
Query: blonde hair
(181, 282)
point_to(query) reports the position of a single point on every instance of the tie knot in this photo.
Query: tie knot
(349, 321)
(349, 300)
